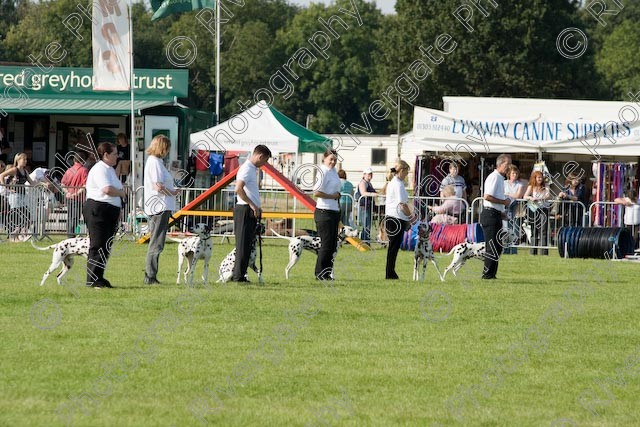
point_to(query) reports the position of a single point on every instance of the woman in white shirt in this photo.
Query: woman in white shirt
(397, 214)
(101, 212)
(327, 215)
(159, 202)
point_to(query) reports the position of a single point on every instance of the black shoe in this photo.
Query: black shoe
(96, 285)
(392, 277)
(105, 283)
(489, 277)
(243, 280)
(151, 281)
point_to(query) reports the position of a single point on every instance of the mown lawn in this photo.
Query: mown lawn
(552, 342)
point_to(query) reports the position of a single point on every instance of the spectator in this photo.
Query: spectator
(456, 180)
(18, 218)
(74, 179)
(101, 212)
(43, 198)
(346, 200)
(366, 194)
(5, 148)
(123, 166)
(631, 208)
(449, 211)
(203, 175)
(514, 189)
(539, 196)
(397, 211)
(327, 215)
(574, 191)
(159, 203)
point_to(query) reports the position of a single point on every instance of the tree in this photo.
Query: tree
(43, 26)
(511, 53)
(617, 59)
(332, 83)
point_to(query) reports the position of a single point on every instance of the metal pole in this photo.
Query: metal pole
(132, 142)
(399, 142)
(217, 61)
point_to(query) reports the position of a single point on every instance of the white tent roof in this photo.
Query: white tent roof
(254, 126)
(507, 125)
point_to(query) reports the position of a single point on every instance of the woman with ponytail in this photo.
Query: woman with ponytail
(397, 214)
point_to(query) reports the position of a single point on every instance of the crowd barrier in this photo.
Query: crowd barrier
(537, 228)
(370, 210)
(40, 211)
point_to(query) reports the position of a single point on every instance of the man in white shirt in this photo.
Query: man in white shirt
(493, 207)
(247, 212)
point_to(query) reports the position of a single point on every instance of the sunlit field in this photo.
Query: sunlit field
(552, 342)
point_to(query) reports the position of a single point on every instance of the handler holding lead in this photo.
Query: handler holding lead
(247, 212)
(493, 207)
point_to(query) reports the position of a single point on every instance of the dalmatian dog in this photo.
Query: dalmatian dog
(312, 244)
(228, 263)
(423, 253)
(192, 249)
(463, 252)
(63, 253)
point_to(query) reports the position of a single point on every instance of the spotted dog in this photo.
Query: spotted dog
(423, 253)
(463, 252)
(228, 263)
(63, 253)
(297, 244)
(192, 249)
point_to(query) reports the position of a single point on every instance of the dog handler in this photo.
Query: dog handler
(159, 203)
(327, 215)
(493, 207)
(101, 212)
(247, 212)
(397, 214)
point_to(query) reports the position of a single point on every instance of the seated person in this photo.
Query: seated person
(450, 209)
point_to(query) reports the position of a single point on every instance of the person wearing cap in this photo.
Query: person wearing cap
(493, 210)
(366, 193)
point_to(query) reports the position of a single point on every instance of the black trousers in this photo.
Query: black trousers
(395, 231)
(491, 222)
(244, 224)
(102, 223)
(327, 222)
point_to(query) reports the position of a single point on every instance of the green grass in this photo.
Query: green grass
(363, 352)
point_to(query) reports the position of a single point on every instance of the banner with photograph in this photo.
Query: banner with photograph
(111, 46)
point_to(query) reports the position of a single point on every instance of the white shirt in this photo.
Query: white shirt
(632, 215)
(100, 176)
(248, 174)
(494, 186)
(330, 184)
(396, 194)
(156, 202)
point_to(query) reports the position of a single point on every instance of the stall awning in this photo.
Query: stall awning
(76, 106)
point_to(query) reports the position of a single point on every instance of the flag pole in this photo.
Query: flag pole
(217, 61)
(132, 141)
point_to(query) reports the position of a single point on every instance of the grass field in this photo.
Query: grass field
(551, 343)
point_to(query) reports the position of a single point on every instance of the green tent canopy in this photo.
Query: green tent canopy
(260, 124)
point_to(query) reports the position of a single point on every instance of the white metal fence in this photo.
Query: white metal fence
(38, 211)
